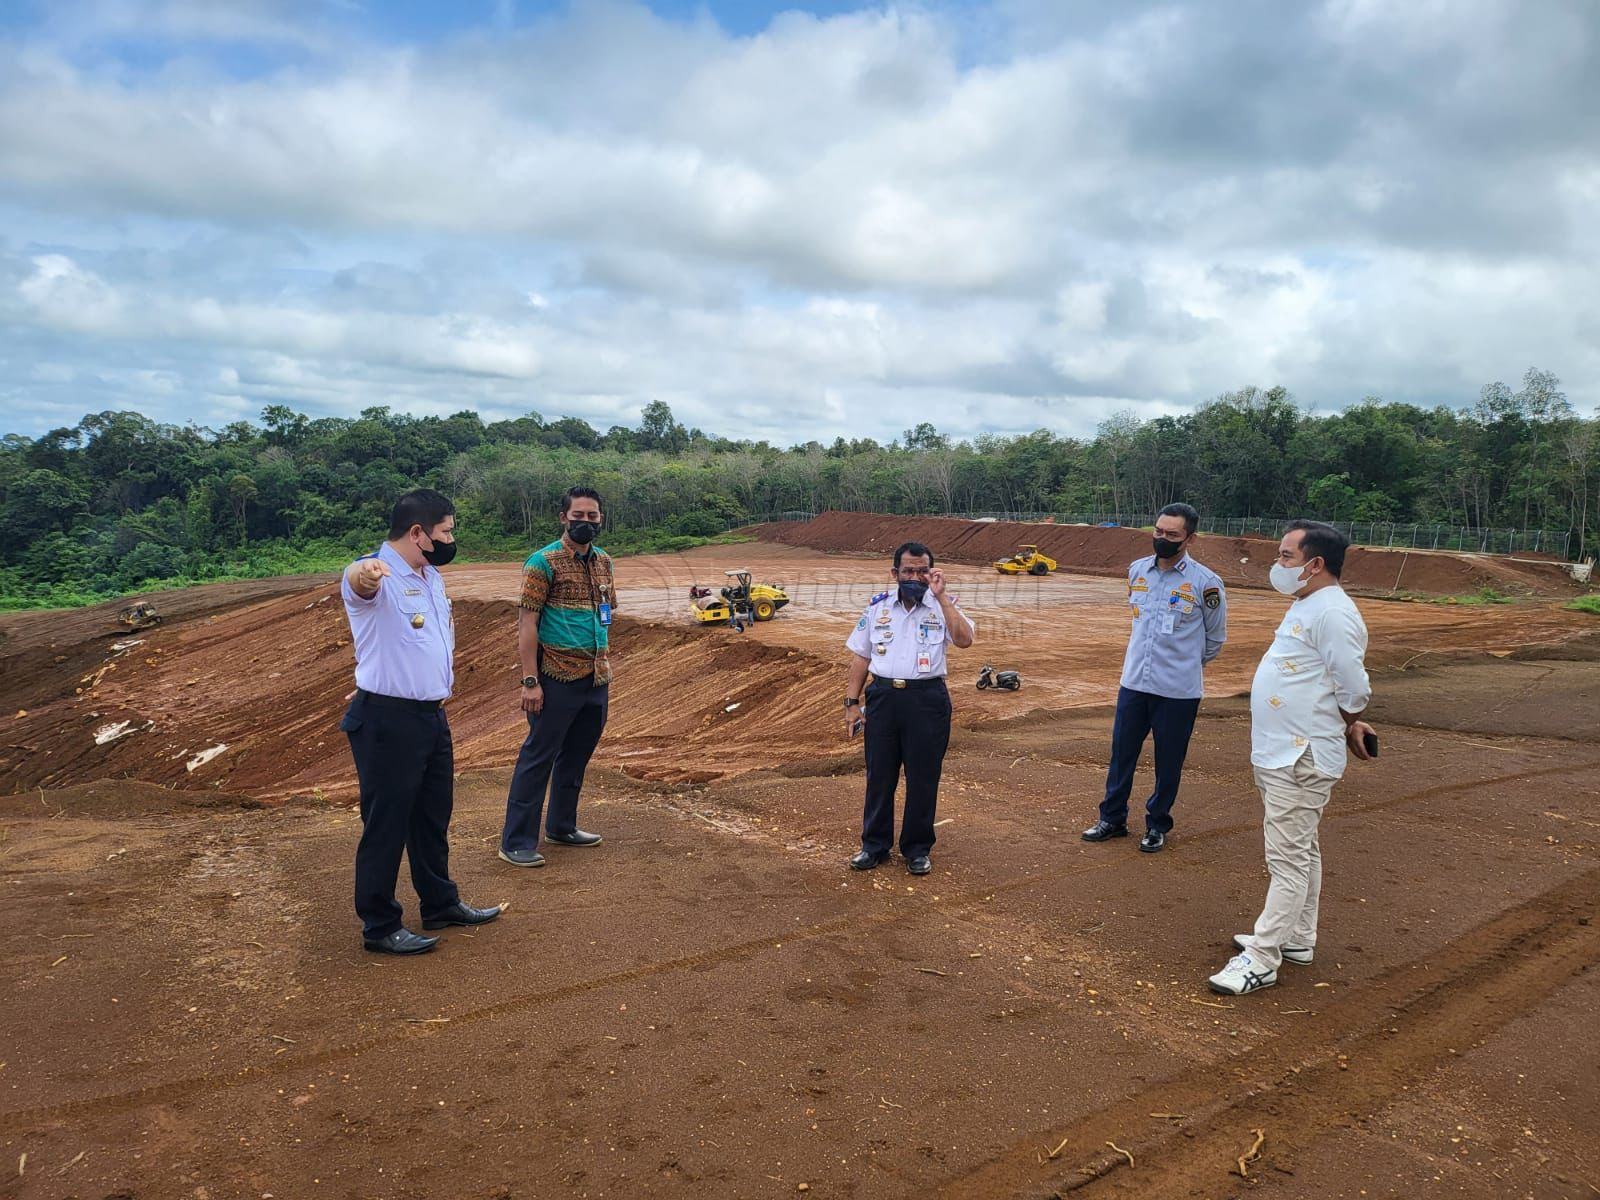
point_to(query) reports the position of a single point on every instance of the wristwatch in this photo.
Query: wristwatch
(851, 701)
(530, 681)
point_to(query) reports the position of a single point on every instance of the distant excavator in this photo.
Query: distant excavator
(139, 615)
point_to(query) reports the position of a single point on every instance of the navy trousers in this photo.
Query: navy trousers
(405, 763)
(1140, 714)
(560, 742)
(906, 728)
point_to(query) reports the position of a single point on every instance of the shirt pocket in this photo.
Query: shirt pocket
(415, 613)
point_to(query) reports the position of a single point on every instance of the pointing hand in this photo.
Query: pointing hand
(369, 575)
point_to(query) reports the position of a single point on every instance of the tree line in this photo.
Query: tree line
(119, 502)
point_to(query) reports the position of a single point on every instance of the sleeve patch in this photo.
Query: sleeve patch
(1213, 597)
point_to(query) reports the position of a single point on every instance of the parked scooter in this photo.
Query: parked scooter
(1006, 681)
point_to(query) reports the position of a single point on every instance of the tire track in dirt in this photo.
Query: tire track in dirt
(1302, 1085)
(854, 923)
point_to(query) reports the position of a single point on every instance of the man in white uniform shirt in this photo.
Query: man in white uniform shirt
(1305, 705)
(901, 641)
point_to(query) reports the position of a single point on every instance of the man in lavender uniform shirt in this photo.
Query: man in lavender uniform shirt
(405, 640)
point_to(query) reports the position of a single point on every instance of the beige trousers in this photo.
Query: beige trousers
(1293, 798)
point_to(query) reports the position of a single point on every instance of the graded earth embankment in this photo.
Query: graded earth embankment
(1095, 550)
(248, 700)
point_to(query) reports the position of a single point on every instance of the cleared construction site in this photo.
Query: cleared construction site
(710, 1004)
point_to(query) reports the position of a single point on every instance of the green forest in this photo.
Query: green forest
(119, 503)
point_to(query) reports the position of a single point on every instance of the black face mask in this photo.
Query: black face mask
(441, 553)
(912, 591)
(582, 532)
(1166, 549)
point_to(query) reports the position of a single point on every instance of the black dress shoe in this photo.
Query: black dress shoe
(1152, 842)
(522, 858)
(576, 838)
(866, 860)
(461, 914)
(1102, 831)
(401, 941)
(920, 865)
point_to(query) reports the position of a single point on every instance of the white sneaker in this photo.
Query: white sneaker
(1299, 955)
(1242, 974)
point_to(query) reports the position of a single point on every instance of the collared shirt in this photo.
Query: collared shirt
(1314, 667)
(405, 636)
(566, 590)
(1180, 620)
(901, 642)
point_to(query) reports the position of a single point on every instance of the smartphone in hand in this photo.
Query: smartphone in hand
(1369, 742)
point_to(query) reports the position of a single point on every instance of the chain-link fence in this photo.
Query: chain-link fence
(1405, 535)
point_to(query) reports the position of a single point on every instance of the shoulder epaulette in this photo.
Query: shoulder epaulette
(879, 598)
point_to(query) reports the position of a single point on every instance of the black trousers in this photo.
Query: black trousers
(1139, 714)
(560, 742)
(405, 762)
(906, 728)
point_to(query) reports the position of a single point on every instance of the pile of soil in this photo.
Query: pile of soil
(1093, 550)
(248, 700)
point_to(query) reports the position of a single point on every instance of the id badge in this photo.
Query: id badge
(924, 661)
(605, 613)
(1168, 620)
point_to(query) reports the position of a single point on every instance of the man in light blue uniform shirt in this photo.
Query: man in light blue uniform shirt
(405, 640)
(1180, 621)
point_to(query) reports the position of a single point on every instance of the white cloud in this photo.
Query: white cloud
(1027, 213)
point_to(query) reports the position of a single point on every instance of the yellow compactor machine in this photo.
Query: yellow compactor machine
(1026, 561)
(742, 600)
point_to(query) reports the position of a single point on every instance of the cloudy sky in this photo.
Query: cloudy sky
(791, 222)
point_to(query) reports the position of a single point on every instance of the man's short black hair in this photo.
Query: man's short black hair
(1191, 518)
(572, 493)
(424, 507)
(914, 549)
(1318, 540)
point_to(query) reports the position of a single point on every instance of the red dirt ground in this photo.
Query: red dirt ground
(189, 1013)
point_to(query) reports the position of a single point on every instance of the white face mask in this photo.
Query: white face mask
(1287, 579)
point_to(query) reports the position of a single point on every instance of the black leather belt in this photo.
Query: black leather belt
(398, 702)
(897, 684)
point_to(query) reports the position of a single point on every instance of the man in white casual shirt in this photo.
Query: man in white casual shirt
(1305, 705)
